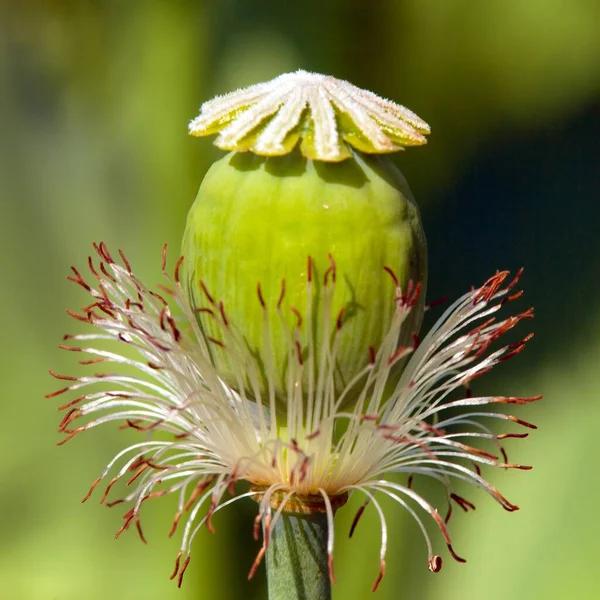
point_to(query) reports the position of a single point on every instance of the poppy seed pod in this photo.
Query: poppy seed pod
(267, 234)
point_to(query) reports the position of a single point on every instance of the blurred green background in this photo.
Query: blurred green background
(95, 97)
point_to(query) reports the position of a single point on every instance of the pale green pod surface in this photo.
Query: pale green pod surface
(256, 220)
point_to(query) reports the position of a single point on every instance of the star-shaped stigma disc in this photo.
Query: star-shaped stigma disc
(323, 114)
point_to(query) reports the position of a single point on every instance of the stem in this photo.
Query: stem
(297, 558)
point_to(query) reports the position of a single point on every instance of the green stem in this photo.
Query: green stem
(297, 558)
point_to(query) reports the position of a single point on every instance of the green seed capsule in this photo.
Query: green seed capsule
(258, 221)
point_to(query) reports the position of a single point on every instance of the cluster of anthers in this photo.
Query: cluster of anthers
(310, 456)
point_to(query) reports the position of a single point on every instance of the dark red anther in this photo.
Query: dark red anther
(462, 502)
(413, 295)
(309, 269)
(215, 341)
(140, 460)
(528, 314)
(357, 517)
(455, 556)
(435, 564)
(78, 279)
(504, 436)
(514, 296)
(84, 319)
(97, 249)
(92, 269)
(57, 392)
(137, 474)
(206, 293)
(115, 502)
(209, 514)
(257, 562)
(260, 296)
(380, 576)
(313, 435)
(177, 269)
(518, 399)
(436, 302)
(330, 568)
(399, 353)
(162, 318)
(91, 490)
(514, 282)
(71, 403)
(186, 562)
(409, 439)
(144, 428)
(174, 331)
(92, 361)
(256, 527)
(138, 526)
(232, 481)
(431, 429)
(340, 319)
(477, 451)
(106, 273)
(128, 516)
(506, 505)
(165, 288)
(476, 375)
(128, 302)
(105, 253)
(449, 513)
(514, 466)
(223, 314)
(281, 294)
(331, 271)
(409, 291)
(372, 355)
(175, 523)
(515, 348)
(521, 422)
(125, 261)
(440, 522)
(176, 570)
(298, 317)
(70, 416)
(267, 531)
(199, 489)
(392, 275)
(374, 418)
(490, 287)
(163, 264)
(106, 309)
(108, 488)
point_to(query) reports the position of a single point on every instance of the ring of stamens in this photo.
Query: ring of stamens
(306, 505)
